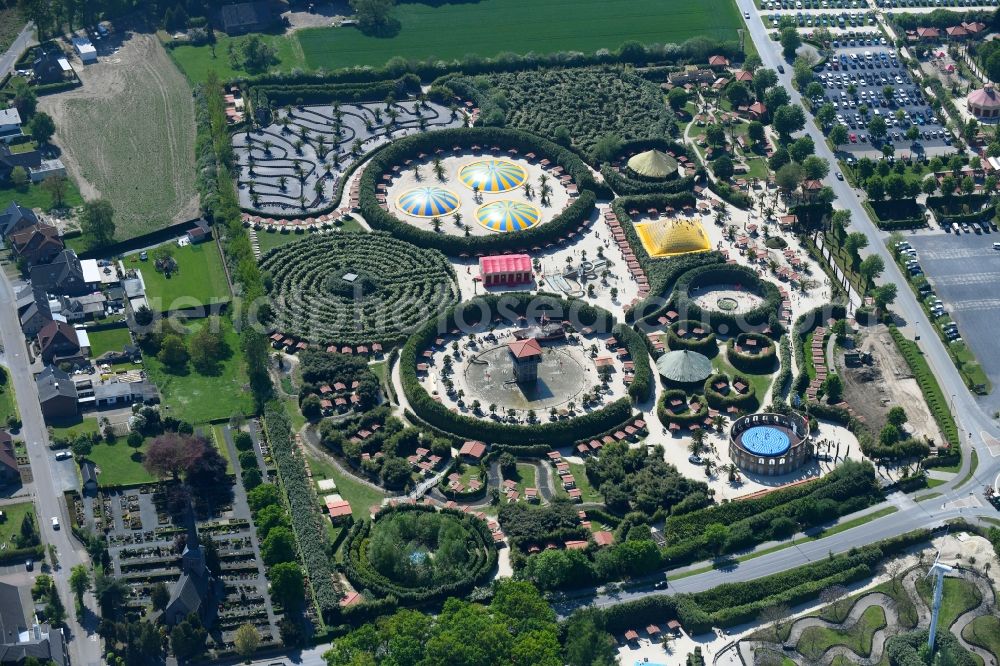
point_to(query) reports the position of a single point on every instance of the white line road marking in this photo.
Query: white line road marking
(992, 444)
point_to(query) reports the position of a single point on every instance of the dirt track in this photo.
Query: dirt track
(128, 134)
(873, 390)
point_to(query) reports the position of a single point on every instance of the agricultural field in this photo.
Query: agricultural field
(200, 278)
(128, 135)
(454, 30)
(196, 398)
(586, 102)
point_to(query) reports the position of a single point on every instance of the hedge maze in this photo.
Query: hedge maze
(356, 288)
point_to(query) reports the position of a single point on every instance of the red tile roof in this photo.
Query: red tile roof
(526, 348)
(505, 263)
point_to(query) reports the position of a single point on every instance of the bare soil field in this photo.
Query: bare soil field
(872, 390)
(128, 135)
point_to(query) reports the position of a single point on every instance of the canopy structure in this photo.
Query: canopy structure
(683, 366)
(653, 164)
(428, 202)
(493, 176)
(673, 237)
(506, 215)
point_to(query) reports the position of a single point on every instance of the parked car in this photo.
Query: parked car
(55, 523)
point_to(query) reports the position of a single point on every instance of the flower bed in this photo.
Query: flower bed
(356, 288)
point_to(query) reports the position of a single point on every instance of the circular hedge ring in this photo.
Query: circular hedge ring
(693, 336)
(356, 288)
(416, 553)
(721, 392)
(752, 352)
(727, 304)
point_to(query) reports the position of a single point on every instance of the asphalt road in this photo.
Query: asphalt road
(23, 40)
(84, 644)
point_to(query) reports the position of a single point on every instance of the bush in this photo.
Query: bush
(784, 376)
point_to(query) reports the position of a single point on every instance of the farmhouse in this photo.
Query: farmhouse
(86, 50)
(10, 124)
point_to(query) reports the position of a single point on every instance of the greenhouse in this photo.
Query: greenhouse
(506, 215)
(428, 202)
(654, 164)
(673, 237)
(493, 176)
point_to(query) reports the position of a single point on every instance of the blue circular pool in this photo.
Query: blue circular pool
(765, 441)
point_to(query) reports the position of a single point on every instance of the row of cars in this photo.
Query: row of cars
(843, 20)
(813, 4)
(935, 306)
(936, 3)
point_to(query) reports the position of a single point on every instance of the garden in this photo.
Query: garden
(356, 288)
(606, 101)
(191, 276)
(108, 340)
(418, 554)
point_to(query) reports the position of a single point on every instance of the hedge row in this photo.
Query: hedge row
(746, 402)
(784, 376)
(362, 575)
(506, 305)
(306, 521)
(766, 314)
(685, 418)
(900, 225)
(707, 345)
(803, 326)
(759, 363)
(324, 93)
(641, 387)
(929, 386)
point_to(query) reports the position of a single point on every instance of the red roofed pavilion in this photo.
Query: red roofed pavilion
(505, 269)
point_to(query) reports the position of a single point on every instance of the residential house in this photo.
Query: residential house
(113, 394)
(50, 65)
(56, 394)
(200, 233)
(21, 638)
(9, 473)
(15, 218)
(246, 17)
(718, 61)
(33, 310)
(691, 76)
(79, 308)
(10, 124)
(58, 341)
(63, 275)
(37, 244)
(10, 160)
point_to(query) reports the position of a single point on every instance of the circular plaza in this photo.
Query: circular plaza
(769, 444)
(732, 299)
(470, 192)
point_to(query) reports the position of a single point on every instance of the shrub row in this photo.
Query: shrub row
(363, 575)
(900, 225)
(684, 418)
(804, 325)
(485, 308)
(929, 386)
(324, 93)
(641, 387)
(306, 521)
(759, 363)
(784, 376)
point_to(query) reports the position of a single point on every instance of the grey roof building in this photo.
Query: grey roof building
(20, 638)
(63, 275)
(14, 218)
(57, 393)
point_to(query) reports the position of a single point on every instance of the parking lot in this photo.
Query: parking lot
(856, 81)
(964, 271)
(833, 19)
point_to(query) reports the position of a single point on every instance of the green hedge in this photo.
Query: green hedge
(686, 417)
(641, 388)
(766, 314)
(746, 402)
(310, 531)
(929, 386)
(625, 184)
(707, 345)
(395, 153)
(469, 427)
(757, 364)
(783, 379)
(324, 93)
(363, 576)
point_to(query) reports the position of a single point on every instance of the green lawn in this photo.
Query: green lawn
(455, 30)
(195, 62)
(200, 278)
(11, 526)
(71, 429)
(8, 402)
(587, 491)
(525, 477)
(985, 631)
(119, 463)
(271, 239)
(959, 596)
(858, 637)
(361, 496)
(757, 168)
(760, 383)
(198, 398)
(111, 339)
(34, 196)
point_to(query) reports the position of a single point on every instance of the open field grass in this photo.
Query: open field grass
(196, 398)
(72, 429)
(200, 278)
(13, 516)
(195, 62)
(958, 597)
(587, 491)
(490, 27)
(111, 339)
(8, 401)
(128, 135)
(858, 637)
(271, 239)
(760, 383)
(361, 496)
(34, 196)
(985, 631)
(119, 463)
(525, 477)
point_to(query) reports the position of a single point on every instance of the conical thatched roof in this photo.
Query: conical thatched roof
(684, 366)
(653, 164)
